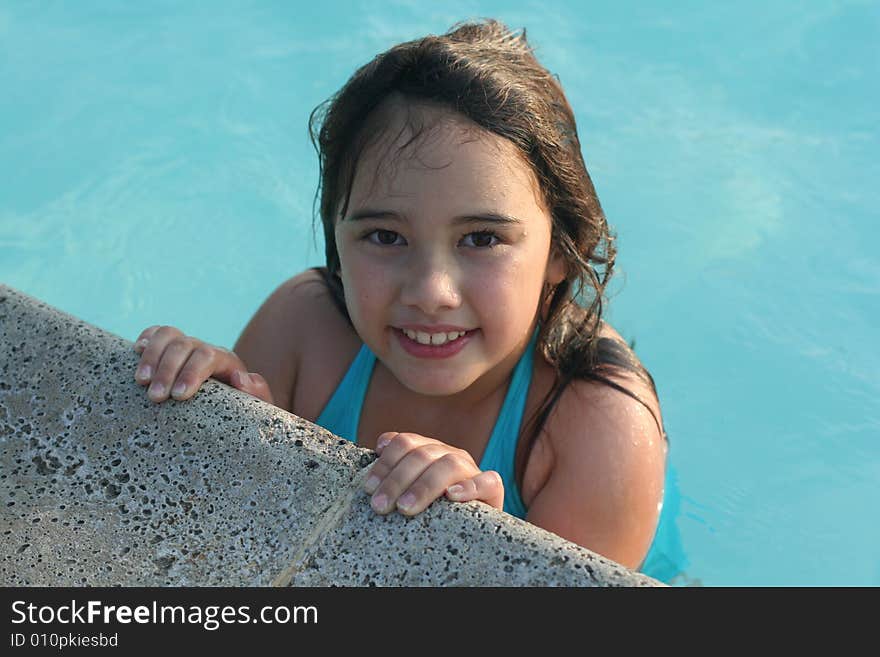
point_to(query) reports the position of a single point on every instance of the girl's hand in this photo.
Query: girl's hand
(176, 365)
(412, 471)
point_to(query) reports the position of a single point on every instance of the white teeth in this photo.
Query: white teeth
(435, 339)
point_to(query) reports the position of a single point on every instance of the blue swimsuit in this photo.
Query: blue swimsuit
(342, 415)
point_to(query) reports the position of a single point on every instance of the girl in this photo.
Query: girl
(456, 328)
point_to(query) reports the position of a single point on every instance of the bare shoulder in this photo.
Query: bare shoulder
(283, 329)
(596, 419)
(608, 413)
(608, 464)
(629, 380)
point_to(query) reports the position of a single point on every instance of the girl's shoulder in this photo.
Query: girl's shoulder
(578, 424)
(299, 340)
(588, 393)
(605, 464)
(591, 404)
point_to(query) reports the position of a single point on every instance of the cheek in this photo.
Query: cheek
(364, 282)
(509, 290)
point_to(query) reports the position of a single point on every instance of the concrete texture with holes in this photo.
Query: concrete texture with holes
(101, 487)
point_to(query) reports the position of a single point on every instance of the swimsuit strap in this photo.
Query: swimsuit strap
(500, 452)
(342, 413)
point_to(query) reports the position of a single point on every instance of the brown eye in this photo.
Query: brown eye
(383, 237)
(483, 239)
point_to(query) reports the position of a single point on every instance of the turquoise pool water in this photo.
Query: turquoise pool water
(155, 168)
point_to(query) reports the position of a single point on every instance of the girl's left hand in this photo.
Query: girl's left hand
(412, 471)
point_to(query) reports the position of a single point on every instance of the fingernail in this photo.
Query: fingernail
(141, 344)
(382, 442)
(372, 484)
(406, 502)
(144, 372)
(244, 379)
(455, 489)
(379, 502)
(179, 389)
(157, 390)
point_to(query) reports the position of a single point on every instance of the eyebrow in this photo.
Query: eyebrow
(465, 219)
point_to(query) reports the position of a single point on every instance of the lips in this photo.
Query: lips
(438, 347)
(434, 338)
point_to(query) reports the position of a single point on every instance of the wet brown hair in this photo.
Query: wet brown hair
(489, 74)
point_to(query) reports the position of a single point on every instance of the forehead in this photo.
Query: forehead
(417, 151)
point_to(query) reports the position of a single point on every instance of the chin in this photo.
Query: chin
(429, 385)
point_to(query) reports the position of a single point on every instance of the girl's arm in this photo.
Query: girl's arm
(606, 483)
(269, 343)
(263, 362)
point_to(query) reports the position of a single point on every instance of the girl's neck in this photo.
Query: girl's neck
(488, 390)
(464, 420)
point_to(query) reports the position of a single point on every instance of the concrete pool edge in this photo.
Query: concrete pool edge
(102, 487)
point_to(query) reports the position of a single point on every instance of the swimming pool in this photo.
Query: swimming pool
(156, 169)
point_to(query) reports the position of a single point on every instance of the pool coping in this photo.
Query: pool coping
(102, 487)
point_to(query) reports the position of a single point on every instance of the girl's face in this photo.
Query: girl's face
(445, 241)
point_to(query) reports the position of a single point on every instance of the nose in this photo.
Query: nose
(430, 285)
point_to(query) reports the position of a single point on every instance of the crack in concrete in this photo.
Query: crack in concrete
(328, 521)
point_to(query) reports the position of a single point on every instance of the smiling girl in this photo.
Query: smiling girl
(456, 328)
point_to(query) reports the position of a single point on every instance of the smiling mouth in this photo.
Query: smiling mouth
(433, 339)
(422, 344)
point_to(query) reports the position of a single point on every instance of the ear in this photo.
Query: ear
(556, 268)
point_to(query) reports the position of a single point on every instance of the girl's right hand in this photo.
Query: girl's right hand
(176, 365)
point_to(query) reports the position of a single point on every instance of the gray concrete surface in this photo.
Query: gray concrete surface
(101, 487)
